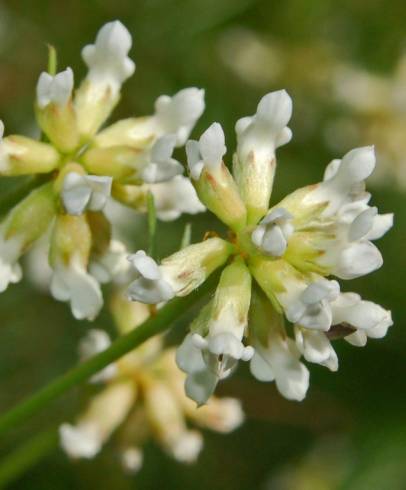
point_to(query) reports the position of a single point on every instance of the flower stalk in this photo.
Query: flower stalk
(153, 326)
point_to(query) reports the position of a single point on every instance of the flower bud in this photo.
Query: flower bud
(273, 232)
(174, 116)
(85, 192)
(214, 184)
(187, 269)
(25, 223)
(109, 66)
(104, 414)
(305, 300)
(54, 109)
(23, 156)
(222, 347)
(166, 418)
(254, 161)
(122, 163)
(69, 255)
(276, 356)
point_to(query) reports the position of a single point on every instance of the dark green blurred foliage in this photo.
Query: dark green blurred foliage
(176, 45)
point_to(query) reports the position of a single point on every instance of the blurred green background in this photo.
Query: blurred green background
(350, 432)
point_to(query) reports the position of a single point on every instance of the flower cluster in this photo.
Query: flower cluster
(291, 250)
(82, 166)
(143, 392)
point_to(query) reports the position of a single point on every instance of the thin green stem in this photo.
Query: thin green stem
(187, 236)
(153, 326)
(26, 456)
(151, 225)
(52, 60)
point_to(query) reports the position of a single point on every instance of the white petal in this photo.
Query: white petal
(316, 347)
(150, 292)
(145, 265)
(226, 344)
(261, 369)
(199, 386)
(212, 145)
(75, 194)
(79, 442)
(74, 284)
(54, 89)
(358, 338)
(107, 59)
(357, 165)
(362, 224)
(188, 357)
(163, 148)
(293, 382)
(331, 169)
(358, 259)
(187, 446)
(179, 114)
(194, 159)
(276, 109)
(274, 242)
(381, 224)
(175, 197)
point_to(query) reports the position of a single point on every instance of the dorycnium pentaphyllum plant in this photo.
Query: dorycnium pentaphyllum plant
(277, 300)
(83, 165)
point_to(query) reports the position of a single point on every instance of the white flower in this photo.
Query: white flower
(166, 418)
(279, 362)
(311, 307)
(316, 347)
(174, 197)
(222, 347)
(150, 286)
(10, 252)
(161, 166)
(112, 265)
(370, 319)
(72, 283)
(54, 89)
(267, 129)
(344, 179)
(187, 447)
(79, 441)
(85, 192)
(105, 413)
(107, 58)
(219, 414)
(178, 114)
(272, 234)
(93, 343)
(208, 152)
(200, 382)
(186, 269)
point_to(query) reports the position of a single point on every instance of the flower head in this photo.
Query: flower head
(142, 396)
(85, 168)
(292, 250)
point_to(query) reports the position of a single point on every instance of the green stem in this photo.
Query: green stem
(151, 225)
(151, 327)
(26, 456)
(52, 60)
